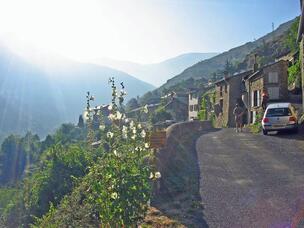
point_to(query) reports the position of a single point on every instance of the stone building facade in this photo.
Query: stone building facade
(301, 41)
(228, 93)
(272, 78)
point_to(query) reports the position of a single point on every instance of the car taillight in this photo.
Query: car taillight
(265, 120)
(292, 119)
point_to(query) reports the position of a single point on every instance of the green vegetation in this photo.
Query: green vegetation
(160, 115)
(65, 181)
(257, 126)
(207, 106)
(291, 38)
(294, 74)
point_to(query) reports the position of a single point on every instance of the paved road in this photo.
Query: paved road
(251, 180)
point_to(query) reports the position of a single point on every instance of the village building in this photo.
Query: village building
(272, 78)
(301, 41)
(177, 106)
(193, 102)
(228, 93)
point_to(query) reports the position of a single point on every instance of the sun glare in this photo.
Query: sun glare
(81, 29)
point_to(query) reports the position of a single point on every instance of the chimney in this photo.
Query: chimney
(255, 64)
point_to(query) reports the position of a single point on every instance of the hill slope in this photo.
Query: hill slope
(39, 98)
(157, 73)
(206, 68)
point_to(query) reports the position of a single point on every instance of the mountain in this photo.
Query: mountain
(205, 68)
(157, 73)
(39, 97)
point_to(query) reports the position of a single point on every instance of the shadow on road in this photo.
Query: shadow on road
(179, 197)
(289, 135)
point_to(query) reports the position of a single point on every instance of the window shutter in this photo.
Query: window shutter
(273, 77)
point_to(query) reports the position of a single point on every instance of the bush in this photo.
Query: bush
(116, 190)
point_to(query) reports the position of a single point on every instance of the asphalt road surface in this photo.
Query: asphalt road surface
(251, 180)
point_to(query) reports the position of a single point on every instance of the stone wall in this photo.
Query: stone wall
(177, 154)
(235, 96)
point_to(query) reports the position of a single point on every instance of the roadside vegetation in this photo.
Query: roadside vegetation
(66, 180)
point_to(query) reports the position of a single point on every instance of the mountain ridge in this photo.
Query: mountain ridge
(40, 97)
(205, 68)
(156, 73)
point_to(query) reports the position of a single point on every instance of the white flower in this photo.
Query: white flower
(138, 148)
(133, 137)
(132, 124)
(124, 132)
(102, 127)
(115, 153)
(139, 126)
(147, 145)
(143, 134)
(151, 175)
(110, 135)
(145, 109)
(157, 175)
(118, 115)
(110, 107)
(114, 195)
(111, 117)
(124, 129)
(134, 130)
(126, 120)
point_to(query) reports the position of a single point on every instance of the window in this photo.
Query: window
(273, 77)
(195, 108)
(191, 108)
(274, 112)
(274, 93)
(226, 88)
(221, 103)
(221, 91)
(255, 99)
(193, 96)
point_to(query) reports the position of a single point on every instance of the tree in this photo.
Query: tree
(132, 104)
(80, 122)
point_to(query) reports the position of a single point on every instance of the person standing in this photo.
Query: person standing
(265, 98)
(238, 114)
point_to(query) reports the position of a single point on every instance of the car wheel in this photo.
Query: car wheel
(295, 131)
(265, 132)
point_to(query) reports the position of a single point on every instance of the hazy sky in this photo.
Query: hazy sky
(143, 31)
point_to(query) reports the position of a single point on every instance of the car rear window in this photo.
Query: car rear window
(278, 112)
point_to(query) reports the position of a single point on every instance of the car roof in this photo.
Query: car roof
(279, 105)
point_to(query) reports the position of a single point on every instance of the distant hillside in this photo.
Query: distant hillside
(39, 98)
(206, 68)
(157, 73)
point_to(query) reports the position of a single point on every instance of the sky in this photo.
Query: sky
(142, 31)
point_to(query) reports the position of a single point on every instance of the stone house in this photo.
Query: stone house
(177, 106)
(228, 93)
(301, 41)
(273, 78)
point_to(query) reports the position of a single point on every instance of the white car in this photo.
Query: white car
(279, 117)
